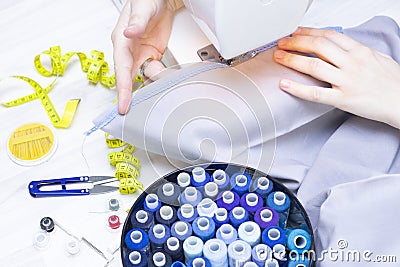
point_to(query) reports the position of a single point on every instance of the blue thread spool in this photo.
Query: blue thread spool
(192, 248)
(280, 202)
(227, 233)
(191, 196)
(183, 179)
(299, 240)
(221, 178)
(239, 252)
(220, 217)
(187, 213)
(262, 186)
(237, 216)
(199, 177)
(159, 258)
(136, 259)
(173, 247)
(216, 252)
(181, 230)
(279, 253)
(240, 182)
(250, 264)
(271, 263)
(211, 190)
(200, 262)
(158, 235)
(299, 263)
(251, 202)
(266, 217)
(142, 219)
(166, 215)
(204, 228)
(207, 208)
(260, 253)
(250, 232)
(151, 203)
(137, 239)
(169, 193)
(178, 264)
(273, 235)
(228, 200)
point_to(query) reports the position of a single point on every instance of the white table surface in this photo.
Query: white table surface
(29, 27)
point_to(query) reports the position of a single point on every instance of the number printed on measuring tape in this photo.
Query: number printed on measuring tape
(126, 170)
(130, 185)
(116, 157)
(113, 142)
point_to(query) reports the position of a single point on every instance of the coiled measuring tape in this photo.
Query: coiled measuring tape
(127, 165)
(97, 71)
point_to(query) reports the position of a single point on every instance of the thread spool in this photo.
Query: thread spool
(136, 259)
(114, 222)
(137, 239)
(280, 202)
(239, 252)
(200, 262)
(192, 248)
(40, 240)
(187, 213)
(181, 230)
(299, 240)
(159, 258)
(273, 235)
(266, 217)
(113, 204)
(207, 208)
(199, 177)
(251, 202)
(142, 219)
(228, 200)
(221, 178)
(183, 179)
(250, 264)
(47, 224)
(173, 247)
(260, 253)
(227, 233)
(299, 263)
(151, 203)
(240, 182)
(216, 252)
(166, 215)
(271, 263)
(158, 235)
(279, 253)
(211, 190)
(72, 246)
(169, 193)
(204, 228)
(262, 186)
(178, 264)
(250, 232)
(220, 217)
(237, 216)
(191, 196)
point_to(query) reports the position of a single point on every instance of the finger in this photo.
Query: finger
(140, 13)
(316, 94)
(318, 45)
(315, 67)
(152, 69)
(344, 41)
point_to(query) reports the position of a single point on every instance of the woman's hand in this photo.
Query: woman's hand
(142, 32)
(364, 82)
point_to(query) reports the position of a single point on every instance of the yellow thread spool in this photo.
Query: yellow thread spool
(31, 144)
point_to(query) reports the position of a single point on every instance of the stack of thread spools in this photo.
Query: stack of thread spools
(210, 218)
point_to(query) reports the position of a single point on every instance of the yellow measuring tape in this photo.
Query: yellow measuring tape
(97, 71)
(127, 166)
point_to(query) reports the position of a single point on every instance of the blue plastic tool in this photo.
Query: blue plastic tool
(93, 185)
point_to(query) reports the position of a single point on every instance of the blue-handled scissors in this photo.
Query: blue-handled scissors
(95, 185)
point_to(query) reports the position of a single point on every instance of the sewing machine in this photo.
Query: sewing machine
(237, 28)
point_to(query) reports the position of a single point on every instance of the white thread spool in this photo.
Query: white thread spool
(183, 179)
(250, 232)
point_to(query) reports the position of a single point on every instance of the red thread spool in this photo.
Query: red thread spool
(114, 222)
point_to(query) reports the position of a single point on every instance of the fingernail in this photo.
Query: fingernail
(284, 84)
(279, 54)
(298, 30)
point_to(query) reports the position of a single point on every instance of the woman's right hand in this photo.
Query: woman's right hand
(142, 32)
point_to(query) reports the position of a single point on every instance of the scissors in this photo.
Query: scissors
(93, 185)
